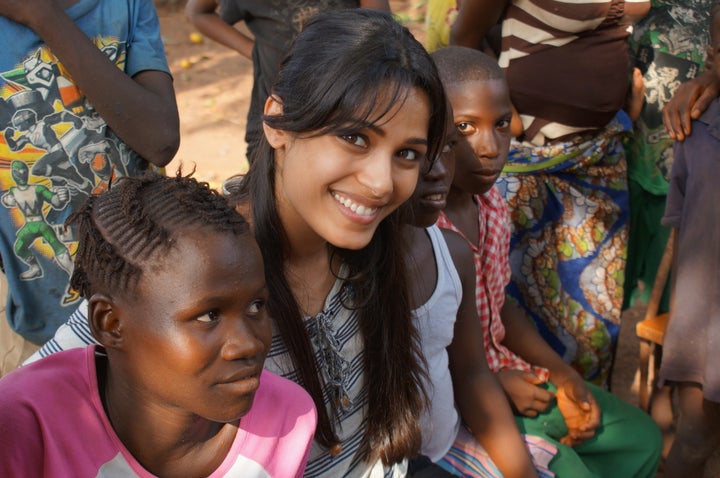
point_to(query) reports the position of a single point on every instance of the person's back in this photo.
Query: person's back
(83, 83)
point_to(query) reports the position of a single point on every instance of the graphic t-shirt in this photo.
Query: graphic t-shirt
(668, 46)
(55, 151)
(53, 424)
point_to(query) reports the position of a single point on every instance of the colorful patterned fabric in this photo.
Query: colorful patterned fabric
(492, 276)
(668, 46)
(569, 211)
(468, 458)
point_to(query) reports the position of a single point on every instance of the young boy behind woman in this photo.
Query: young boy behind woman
(177, 300)
(466, 401)
(596, 434)
(691, 350)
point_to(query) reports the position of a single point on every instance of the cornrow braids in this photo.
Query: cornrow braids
(137, 218)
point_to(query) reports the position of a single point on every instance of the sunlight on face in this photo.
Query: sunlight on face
(197, 331)
(338, 188)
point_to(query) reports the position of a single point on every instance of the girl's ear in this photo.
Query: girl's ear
(105, 322)
(276, 137)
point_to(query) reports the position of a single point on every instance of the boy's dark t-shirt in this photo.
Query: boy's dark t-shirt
(274, 24)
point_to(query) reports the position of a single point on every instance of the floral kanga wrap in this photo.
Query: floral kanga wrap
(568, 205)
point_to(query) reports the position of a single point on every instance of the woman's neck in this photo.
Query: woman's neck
(311, 278)
(164, 441)
(307, 265)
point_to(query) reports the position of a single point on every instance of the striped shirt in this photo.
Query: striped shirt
(338, 345)
(567, 62)
(337, 340)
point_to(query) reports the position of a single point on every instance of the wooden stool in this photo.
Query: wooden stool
(651, 330)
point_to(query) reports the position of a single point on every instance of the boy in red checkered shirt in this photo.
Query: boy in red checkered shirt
(596, 433)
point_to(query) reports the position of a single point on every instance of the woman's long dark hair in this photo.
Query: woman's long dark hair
(343, 68)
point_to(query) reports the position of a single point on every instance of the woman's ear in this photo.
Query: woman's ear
(105, 322)
(276, 137)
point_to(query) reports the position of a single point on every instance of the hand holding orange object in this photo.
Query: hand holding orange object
(580, 411)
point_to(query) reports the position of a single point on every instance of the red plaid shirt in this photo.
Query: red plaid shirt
(492, 269)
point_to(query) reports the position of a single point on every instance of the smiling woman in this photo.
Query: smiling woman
(356, 109)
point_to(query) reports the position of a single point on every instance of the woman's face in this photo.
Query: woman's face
(337, 188)
(196, 332)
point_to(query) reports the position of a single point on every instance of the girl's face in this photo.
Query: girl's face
(482, 112)
(196, 332)
(337, 188)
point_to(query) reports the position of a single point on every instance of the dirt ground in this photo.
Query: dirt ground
(213, 86)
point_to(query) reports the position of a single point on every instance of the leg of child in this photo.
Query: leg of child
(697, 433)
(636, 95)
(627, 442)
(467, 457)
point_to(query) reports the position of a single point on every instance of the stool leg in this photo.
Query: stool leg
(645, 350)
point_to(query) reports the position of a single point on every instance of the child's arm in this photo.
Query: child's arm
(382, 5)
(474, 20)
(636, 95)
(201, 13)
(141, 110)
(576, 403)
(479, 396)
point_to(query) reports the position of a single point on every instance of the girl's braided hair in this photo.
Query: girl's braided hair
(137, 218)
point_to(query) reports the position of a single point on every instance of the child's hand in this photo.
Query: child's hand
(579, 409)
(689, 101)
(522, 388)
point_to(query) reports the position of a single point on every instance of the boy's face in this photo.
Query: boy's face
(482, 114)
(196, 332)
(430, 196)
